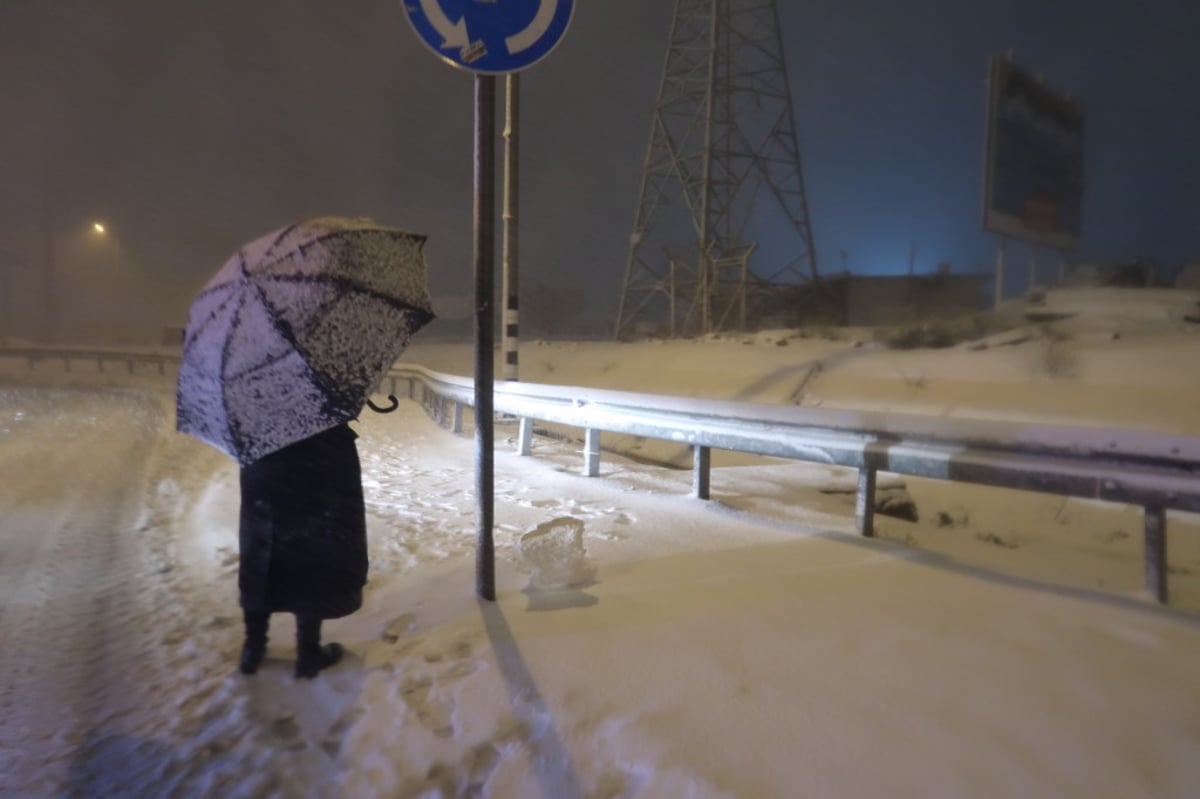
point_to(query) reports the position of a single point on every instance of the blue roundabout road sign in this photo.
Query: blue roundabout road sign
(490, 36)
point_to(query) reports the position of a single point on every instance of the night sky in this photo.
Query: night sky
(192, 127)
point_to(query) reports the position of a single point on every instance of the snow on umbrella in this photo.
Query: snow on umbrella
(293, 333)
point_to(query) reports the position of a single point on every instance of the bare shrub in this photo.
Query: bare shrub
(1058, 360)
(916, 337)
(934, 335)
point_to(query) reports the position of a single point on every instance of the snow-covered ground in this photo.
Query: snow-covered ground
(747, 646)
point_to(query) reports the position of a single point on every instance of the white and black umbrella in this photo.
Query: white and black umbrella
(296, 330)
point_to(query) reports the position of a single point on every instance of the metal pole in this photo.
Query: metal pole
(591, 452)
(49, 274)
(671, 279)
(1155, 553)
(525, 436)
(6, 313)
(701, 471)
(485, 265)
(999, 289)
(704, 249)
(512, 155)
(864, 503)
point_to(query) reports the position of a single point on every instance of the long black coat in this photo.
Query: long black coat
(302, 528)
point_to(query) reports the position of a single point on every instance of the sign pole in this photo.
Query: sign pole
(490, 39)
(484, 265)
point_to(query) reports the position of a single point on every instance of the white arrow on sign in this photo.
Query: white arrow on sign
(530, 36)
(454, 34)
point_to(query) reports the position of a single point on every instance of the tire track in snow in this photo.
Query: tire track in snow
(74, 613)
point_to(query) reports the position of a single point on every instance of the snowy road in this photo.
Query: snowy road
(741, 647)
(74, 577)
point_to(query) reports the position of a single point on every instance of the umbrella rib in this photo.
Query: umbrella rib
(235, 430)
(252, 369)
(344, 284)
(201, 324)
(271, 249)
(285, 330)
(264, 263)
(241, 254)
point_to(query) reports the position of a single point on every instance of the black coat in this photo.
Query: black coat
(302, 528)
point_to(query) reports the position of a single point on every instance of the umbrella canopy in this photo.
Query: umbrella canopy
(295, 331)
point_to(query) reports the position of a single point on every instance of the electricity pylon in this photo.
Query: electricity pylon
(722, 220)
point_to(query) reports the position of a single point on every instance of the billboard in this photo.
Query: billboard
(1033, 166)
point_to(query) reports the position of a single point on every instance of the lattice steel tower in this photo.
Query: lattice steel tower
(722, 220)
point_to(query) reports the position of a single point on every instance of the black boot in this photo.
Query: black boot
(255, 647)
(311, 657)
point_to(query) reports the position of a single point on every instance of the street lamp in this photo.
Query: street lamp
(101, 230)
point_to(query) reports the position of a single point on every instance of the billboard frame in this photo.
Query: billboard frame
(1033, 160)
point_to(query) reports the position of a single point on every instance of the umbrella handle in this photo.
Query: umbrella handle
(379, 409)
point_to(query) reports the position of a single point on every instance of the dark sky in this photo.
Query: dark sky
(193, 127)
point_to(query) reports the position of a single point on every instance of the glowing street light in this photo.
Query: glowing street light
(101, 230)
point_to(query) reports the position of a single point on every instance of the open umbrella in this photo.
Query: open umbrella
(295, 331)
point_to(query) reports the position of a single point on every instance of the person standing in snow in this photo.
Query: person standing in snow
(303, 544)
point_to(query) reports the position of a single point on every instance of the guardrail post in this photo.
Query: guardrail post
(525, 436)
(591, 452)
(456, 423)
(701, 464)
(1155, 549)
(864, 503)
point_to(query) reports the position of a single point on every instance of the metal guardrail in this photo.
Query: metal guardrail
(100, 357)
(1156, 471)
